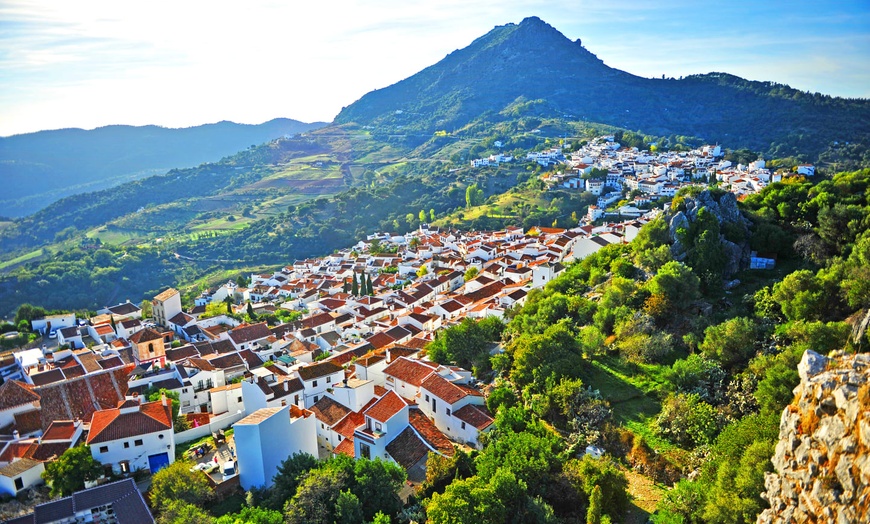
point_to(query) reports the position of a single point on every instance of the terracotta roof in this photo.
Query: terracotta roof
(124, 309)
(477, 416)
(60, 430)
(47, 377)
(329, 411)
(407, 449)
(28, 421)
(248, 333)
(17, 450)
(386, 407)
(88, 360)
(349, 423)
(145, 335)
(227, 361)
(166, 295)
(320, 369)
(14, 393)
(111, 424)
(184, 352)
(111, 362)
(430, 434)
(345, 447)
(49, 451)
(219, 346)
(181, 319)
(380, 391)
(413, 372)
(446, 390)
(251, 359)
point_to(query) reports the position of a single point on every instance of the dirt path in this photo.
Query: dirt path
(645, 495)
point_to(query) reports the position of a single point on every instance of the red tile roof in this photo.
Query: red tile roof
(320, 369)
(387, 407)
(60, 430)
(348, 424)
(446, 390)
(14, 393)
(413, 372)
(28, 421)
(249, 333)
(111, 424)
(345, 447)
(477, 416)
(407, 448)
(329, 411)
(145, 335)
(430, 434)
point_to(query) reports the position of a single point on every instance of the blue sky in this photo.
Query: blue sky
(177, 63)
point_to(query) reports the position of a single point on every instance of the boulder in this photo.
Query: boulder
(811, 364)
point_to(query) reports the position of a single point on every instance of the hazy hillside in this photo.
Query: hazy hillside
(40, 168)
(534, 64)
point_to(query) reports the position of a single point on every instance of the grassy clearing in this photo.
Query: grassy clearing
(223, 224)
(23, 258)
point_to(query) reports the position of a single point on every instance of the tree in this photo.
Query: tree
(181, 512)
(676, 283)
(423, 271)
(315, 499)
(68, 473)
(252, 515)
(432, 215)
(354, 288)
(229, 302)
(345, 286)
(587, 474)
(593, 514)
(470, 273)
(176, 482)
(801, 296)
(290, 473)
(473, 196)
(422, 215)
(251, 314)
(347, 508)
(370, 290)
(731, 341)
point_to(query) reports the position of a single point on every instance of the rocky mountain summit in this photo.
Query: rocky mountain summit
(822, 459)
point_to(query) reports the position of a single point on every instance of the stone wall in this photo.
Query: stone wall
(822, 459)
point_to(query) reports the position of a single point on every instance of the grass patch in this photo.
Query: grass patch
(627, 400)
(182, 449)
(231, 504)
(22, 259)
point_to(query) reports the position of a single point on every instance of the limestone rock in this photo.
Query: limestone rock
(811, 364)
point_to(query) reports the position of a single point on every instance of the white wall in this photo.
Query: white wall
(31, 477)
(152, 444)
(221, 422)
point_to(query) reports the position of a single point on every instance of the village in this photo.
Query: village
(349, 374)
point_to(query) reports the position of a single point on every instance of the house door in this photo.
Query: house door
(433, 406)
(158, 462)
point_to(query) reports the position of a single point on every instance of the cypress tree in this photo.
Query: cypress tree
(593, 515)
(369, 288)
(345, 286)
(354, 290)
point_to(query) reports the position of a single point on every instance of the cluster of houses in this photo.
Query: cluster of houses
(609, 171)
(349, 376)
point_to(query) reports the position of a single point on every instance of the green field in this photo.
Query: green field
(23, 258)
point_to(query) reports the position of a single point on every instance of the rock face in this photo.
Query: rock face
(822, 459)
(726, 212)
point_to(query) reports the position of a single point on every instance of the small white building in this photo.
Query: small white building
(267, 437)
(134, 436)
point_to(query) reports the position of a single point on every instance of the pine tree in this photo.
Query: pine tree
(354, 289)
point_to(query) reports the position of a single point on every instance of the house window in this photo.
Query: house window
(239, 399)
(126, 445)
(283, 403)
(322, 426)
(315, 399)
(19, 484)
(427, 397)
(378, 426)
(463, 425)
(137, 442)
(365, 450)
(328, 380)
(448, 411)
(151, 348)
(104, 449)
(314, 385)
(339, 438)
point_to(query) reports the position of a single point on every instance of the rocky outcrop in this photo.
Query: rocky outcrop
(724, 208)
(822, 459)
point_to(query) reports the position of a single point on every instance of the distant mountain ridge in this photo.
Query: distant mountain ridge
(532, 61)
(39, 168)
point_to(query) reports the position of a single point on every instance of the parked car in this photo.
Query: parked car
(229, 469)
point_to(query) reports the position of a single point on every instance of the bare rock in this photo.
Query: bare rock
(811, 364)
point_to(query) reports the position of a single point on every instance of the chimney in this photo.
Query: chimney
(286, 385)
(15, 434)
(163, 399)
